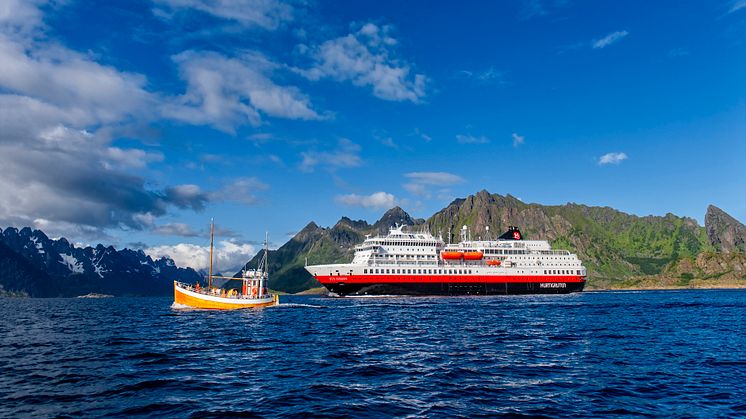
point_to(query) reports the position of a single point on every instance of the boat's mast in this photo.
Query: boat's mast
(212, 236)
(265, 271)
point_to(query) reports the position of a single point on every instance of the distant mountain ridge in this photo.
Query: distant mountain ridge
(615, 247)
(33, 264)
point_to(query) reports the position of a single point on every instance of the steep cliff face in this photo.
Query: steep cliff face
(726, 233)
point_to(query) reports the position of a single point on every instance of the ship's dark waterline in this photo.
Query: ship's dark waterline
(584, 354)
(453, 289)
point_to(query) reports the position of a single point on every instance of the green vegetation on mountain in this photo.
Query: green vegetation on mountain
(620, 250)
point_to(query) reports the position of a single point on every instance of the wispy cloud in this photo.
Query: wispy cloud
(347, 154)
(389, 142)
(471, 139)
(422, 135)
(518, 139)
(737, 5)
(612, 158)
(265, 14)
(488, 76)
(367, 58)
(176, 229)
(434, 178)
(609, 39)
(242, 190)
(420, 183)
(374, 200)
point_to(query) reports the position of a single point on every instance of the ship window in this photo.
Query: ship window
(365, 271)
(387, 271)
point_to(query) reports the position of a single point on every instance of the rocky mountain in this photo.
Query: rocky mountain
(726, 233)
(615, 247)
(33, 264)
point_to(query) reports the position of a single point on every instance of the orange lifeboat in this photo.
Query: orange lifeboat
(473, 255)
(493, 262)
(451, 255)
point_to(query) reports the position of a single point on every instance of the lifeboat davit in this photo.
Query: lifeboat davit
(493, 262)
(451, 255)
(473, 255)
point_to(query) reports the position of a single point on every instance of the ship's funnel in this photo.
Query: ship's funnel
(512, 234)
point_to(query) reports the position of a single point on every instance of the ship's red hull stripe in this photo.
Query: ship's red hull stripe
(489, 279)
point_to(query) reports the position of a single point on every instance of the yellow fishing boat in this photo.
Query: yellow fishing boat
(253, 292)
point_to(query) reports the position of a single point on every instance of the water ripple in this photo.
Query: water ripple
(589, 354)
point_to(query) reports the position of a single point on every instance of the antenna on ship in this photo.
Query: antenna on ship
(212, 237)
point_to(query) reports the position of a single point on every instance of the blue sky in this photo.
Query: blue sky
(134, 122)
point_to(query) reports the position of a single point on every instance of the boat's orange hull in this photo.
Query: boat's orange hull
(194, 301)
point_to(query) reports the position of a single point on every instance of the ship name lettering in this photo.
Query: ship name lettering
(552, 285)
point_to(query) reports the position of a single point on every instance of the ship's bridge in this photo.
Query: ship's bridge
(399, 246)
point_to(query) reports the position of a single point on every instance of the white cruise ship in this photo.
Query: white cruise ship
(417, 263)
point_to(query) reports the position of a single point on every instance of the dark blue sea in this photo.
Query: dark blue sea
(654, 353)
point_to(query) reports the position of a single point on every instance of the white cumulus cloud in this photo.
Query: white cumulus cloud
(366, 58)
(229, 256)
(374, 200)
(612, 158)
(228, 92)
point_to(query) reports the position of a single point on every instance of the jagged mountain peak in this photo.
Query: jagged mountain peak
(725, 232)
(393, 217)
(355, 224)
(309, 227)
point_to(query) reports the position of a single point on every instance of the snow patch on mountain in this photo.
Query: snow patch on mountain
(72, 264)
(38, 244)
